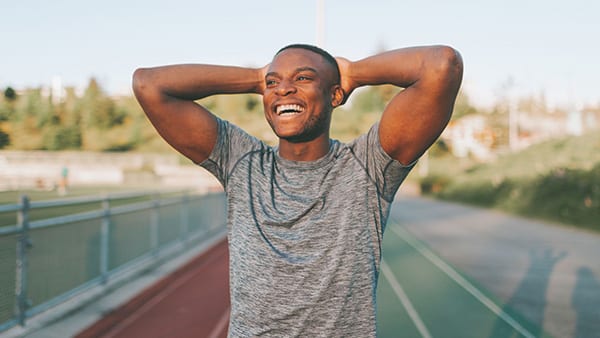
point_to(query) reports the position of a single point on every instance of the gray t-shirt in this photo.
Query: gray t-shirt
(304, 237)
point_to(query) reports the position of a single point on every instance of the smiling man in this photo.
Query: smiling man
(305, 218)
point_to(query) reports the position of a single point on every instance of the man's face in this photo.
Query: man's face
(299, 95)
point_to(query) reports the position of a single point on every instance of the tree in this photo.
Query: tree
(7, 108)
(10, 94)
(62, 137)
(98, 110)
(4, 139)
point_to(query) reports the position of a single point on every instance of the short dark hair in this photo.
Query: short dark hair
(328, 57)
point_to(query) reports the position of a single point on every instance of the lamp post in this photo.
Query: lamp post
(320, 36)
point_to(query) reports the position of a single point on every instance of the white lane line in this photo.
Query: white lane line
(221, 326)
(414, 316)
(460, 280)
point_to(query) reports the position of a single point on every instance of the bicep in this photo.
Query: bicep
(416, 116)
(187, 126)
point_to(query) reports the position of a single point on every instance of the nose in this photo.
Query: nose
(285, 87)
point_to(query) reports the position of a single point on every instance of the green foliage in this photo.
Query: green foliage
(463, 106)
(98, 110)
(62, 137)
(373, 99)
(348, 123)
(31, 104)
(5, 112)
(439, 148)
(568, 195)
(557, 180)
(4, 139)
(433, 184)
(91, 121)
(10, 94)
(251, 103)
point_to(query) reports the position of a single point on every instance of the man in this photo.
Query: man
(305, 218)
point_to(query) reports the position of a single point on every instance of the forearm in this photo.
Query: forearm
(196, 81)
(416, 116)
(402, 67)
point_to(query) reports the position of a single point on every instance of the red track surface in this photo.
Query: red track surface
(191, 302)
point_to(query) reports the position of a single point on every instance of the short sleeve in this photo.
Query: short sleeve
(386, 172)
(232, 144)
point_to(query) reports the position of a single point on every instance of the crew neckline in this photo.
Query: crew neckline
(318, 163)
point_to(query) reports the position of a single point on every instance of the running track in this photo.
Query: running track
(191, 302)
(426, 287)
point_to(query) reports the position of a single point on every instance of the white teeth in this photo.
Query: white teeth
(289, 108)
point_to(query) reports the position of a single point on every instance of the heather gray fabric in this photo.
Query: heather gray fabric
(304, 237)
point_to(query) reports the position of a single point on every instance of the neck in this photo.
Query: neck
(304, 151)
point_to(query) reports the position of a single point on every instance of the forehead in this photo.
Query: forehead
(295, 58)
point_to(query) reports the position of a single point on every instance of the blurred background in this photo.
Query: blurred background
(523, 137)
(523, 128)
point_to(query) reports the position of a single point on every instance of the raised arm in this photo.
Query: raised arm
(167, 95)
(416, 116)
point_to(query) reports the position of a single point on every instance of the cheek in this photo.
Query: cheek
(268, 118)
(266, 104)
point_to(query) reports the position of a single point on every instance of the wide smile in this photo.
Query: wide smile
(288, 109)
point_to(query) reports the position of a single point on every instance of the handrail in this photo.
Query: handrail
(62, 202)
(106, 214)
(9, 207)
(97, 198)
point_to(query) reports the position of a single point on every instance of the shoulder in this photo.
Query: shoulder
(368, 149)
(234, 137)
(367, 140)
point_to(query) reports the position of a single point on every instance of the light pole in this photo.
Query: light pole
(320, 38)
(513, 124)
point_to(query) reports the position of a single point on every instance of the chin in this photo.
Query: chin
(300, 132)
(286, 130)
(287, 134)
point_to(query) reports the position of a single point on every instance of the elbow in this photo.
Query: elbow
(145, 86)
(448, 61)
(140, 81)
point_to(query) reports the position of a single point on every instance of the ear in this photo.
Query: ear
(337, 96)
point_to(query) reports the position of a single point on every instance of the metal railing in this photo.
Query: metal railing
(45, 261)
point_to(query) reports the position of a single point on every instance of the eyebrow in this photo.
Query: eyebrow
(303, 69)
(298, 70)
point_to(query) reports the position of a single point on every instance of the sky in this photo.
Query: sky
(510, 48)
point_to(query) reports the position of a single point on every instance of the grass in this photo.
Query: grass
(558, 180)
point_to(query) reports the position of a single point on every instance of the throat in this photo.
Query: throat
(304, 151)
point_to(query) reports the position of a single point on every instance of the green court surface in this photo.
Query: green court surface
(420, 295)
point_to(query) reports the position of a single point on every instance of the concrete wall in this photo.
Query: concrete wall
(44, 170)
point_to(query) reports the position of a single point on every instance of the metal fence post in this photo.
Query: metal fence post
(185, 217)
(104, 240)
(154, 223)
(22, 303)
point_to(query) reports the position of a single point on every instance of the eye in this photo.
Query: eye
(270, 82)
(303, 78)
